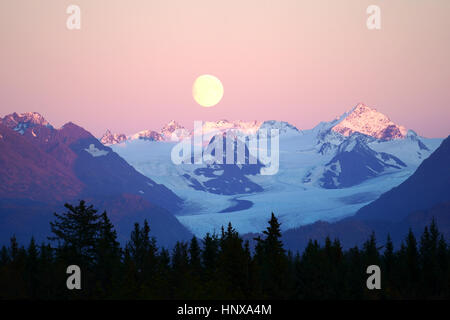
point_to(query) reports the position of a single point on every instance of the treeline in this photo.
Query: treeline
(216, 267)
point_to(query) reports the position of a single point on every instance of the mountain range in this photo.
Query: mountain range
(325, 173)
(42, 168)
(423, 197)
(343, 177)
(360, 119)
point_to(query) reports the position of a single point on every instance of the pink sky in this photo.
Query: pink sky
(132, 64)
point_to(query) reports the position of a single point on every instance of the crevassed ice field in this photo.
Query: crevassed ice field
(286, 194)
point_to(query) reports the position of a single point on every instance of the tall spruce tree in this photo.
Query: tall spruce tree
(194, 257)
(412, 265)
(233, 267)
(76, 232)
(273, 261)
(32, 275)
(108, 255)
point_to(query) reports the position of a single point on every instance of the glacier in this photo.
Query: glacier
(297, 194)
(295, 202)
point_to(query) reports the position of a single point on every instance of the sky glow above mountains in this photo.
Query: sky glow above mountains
(132, 64)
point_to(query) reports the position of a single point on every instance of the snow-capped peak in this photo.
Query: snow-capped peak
(369, 121)
(247, 127)
(147, 135)
(21, 122)
(173, 131)
(283, 126)
(34, 118)
(109, 138)
(171, 126)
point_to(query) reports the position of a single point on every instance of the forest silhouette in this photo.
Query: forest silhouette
(219, 266)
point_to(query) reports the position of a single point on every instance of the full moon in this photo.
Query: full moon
(207, 90)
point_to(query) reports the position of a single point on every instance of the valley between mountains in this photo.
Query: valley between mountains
(327, 174)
